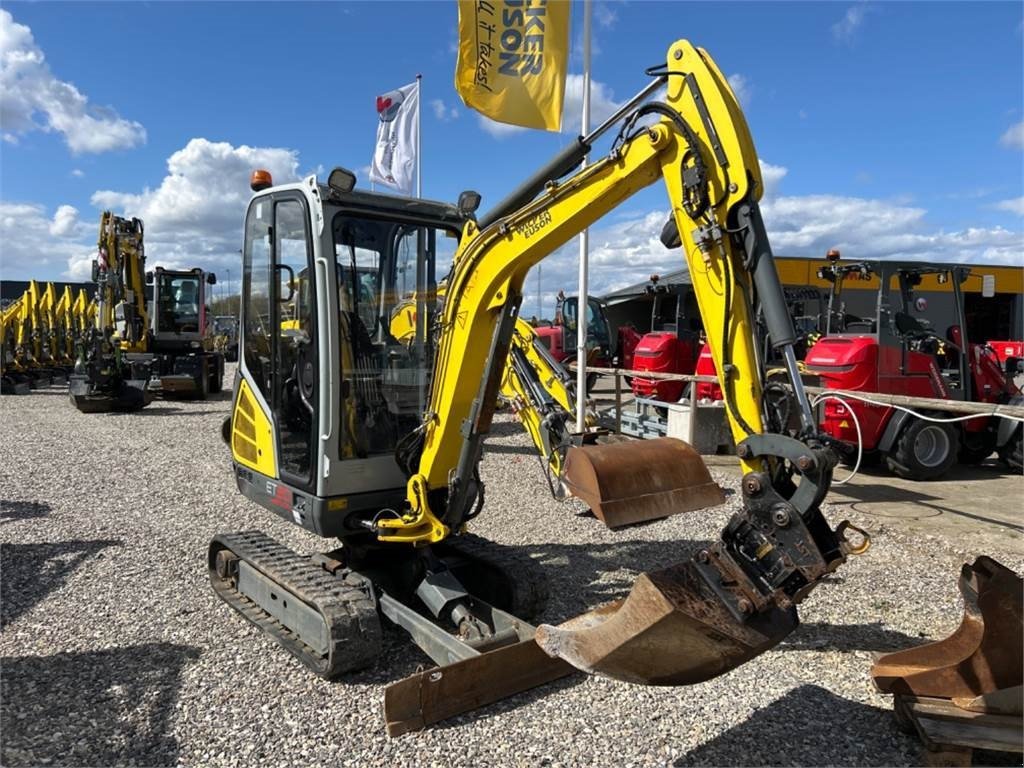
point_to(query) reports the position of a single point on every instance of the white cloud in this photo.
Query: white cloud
(78, 173)
(605, 16)
(32, 98)
(625, 251)
(1014, 205)
(771, 176)
(36, 246)
(64, 222)
(740, 88)
(1014, 136)
(602, 105)
(194, 217)
(442, 111)
(843, 31)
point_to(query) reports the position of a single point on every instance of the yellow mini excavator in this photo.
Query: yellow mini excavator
(149, 330)
(342, 429)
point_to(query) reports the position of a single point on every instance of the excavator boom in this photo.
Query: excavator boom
(350, 432)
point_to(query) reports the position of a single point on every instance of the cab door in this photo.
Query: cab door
(280, 335)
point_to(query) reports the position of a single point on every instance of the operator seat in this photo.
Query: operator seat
(908, 325)
(187, 306)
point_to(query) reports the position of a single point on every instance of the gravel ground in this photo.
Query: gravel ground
(116, 651)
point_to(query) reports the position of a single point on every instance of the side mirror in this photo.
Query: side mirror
(988, 286)
(149, 278)
(95, 271)
(211, 278)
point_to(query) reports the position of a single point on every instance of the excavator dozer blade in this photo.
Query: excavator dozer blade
(981, 657)
(436, 694)
(638, 480)
(672, 629)
(131, 395)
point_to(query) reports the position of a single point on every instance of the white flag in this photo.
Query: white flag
(394, 159)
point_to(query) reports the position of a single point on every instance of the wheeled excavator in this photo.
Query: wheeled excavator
(149, 332)
(350, 434)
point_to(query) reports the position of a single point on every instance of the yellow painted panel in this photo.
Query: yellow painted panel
(252, 439)
(798, 272)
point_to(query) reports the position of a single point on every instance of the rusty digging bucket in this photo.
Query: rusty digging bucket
(672, 629)
(981, 660)
(637, 480)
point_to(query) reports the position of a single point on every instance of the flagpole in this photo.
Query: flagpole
(419, 110)
(582, 305)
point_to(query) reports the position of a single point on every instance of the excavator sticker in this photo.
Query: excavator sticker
(280, 495)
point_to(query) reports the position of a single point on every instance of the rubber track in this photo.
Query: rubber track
(345, 601)
(522, 573)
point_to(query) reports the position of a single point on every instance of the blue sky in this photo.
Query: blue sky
(886, 129)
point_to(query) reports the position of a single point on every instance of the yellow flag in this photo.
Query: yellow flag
(512, 60)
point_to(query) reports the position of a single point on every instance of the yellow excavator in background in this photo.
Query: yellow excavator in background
(349, 433)
(149, 333)
(542, 394)
(30, 355)
(15, 379)
(64, 328)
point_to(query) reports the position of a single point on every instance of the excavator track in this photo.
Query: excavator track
(255, 575)
(505, 577)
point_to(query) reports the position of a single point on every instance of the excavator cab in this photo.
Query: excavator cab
(317, 358)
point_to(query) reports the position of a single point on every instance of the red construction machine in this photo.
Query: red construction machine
(671, 346)
(900, 353)
(560, 336)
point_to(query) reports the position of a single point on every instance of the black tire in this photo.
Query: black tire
(977, 447)
(1012, 452)
(217, 376)
(925, 450)
(203, 382)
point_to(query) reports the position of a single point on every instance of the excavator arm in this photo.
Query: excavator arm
(737, 598)
(104, 378)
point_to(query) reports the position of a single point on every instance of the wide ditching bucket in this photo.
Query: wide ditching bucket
(672, 629)
(638, 480)
(983, 656)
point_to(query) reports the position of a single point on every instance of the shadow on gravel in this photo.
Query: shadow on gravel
(170, 411)
(32, 571)
(583, 576)
(522, 450)
(810, 726)
(22, 510)
(848, 637)
(110, 707)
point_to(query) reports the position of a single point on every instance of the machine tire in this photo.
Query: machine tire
(217, 377)
(204, 383)
(1012, 453)
(983, 447)
(924, 450)
(591, 377)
